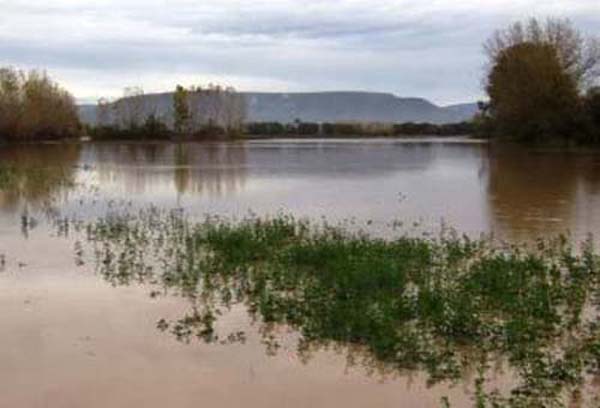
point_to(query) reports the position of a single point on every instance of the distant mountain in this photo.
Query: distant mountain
(87, 113)
(325, 107)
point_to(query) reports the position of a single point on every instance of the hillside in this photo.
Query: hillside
(325, 107)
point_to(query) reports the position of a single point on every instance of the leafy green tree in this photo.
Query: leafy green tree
(531, 96)
(537, 74)
(181, 110)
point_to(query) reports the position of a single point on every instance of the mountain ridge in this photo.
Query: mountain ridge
(327, 106)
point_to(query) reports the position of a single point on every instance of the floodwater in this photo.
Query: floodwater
(71, 339)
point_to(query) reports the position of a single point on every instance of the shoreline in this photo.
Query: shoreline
(84, 139)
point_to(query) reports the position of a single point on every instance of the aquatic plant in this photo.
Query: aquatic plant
(443, 305)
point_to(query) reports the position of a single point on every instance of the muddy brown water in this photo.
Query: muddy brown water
(70, 339)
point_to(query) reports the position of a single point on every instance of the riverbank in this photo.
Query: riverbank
(248, 137)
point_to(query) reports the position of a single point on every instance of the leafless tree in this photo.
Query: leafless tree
(216, 105)
(130, 108)
(103, 108)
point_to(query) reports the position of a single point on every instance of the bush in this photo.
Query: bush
(345, 129)
(265, 128)
(33, 107)
(152, 129)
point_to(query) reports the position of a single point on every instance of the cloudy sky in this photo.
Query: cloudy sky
(408, 47)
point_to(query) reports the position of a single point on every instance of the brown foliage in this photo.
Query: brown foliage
(32, 107)
(198, 110)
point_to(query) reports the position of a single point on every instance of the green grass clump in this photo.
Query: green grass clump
(441, 305)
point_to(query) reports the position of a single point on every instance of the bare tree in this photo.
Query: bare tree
(195, 105)
(130, 108)
(212, 106)
(233, 112)
(103, 109)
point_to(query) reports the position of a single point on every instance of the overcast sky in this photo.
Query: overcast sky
(408, 47)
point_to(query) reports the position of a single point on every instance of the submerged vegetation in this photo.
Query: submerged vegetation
(446, 306)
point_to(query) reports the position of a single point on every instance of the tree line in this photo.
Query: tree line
(221, 112)
(356, 129)
(34, 107)
(195, 113)
(542, 83)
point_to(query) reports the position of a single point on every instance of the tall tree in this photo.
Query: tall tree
(103, 109)
(537, 73)
(181, 110)
(130, 109)
(531, 96)
(11, 105)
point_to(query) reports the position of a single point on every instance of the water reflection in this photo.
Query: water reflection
(517, 193)
(177, 169)
(537, 193)
(36, 176)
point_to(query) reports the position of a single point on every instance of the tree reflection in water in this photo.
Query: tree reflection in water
(35, 177)
(536, 192)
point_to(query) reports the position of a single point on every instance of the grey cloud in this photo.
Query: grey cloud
(430, 49)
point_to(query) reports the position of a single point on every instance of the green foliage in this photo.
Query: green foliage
(590, 118)
(538, 74)
(265, 128)
(307, 128)
(443, 306)
(532, 97)
(357, 129)
(181, 110)
(152, 129)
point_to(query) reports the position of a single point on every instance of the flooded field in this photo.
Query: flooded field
(101, 306)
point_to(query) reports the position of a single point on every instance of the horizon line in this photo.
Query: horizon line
(93, 101)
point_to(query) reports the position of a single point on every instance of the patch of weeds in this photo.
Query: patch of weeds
(443, 305)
